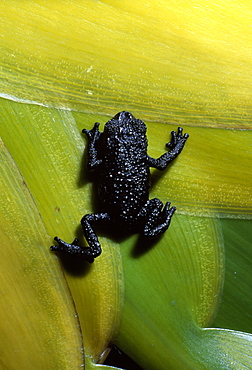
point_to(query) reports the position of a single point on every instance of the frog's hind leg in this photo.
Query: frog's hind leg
(157, 220)
(94, 248)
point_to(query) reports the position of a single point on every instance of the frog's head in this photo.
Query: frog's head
(124, 123)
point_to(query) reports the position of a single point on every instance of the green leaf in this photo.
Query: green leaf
(48, 148)
(165, 62)
(38, 318)
(236, 300)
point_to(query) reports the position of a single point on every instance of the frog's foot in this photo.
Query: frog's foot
(93, 134)
(159, 220)
(177, 139)
(73, 249)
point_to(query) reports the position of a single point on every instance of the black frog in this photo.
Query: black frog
(119, 155)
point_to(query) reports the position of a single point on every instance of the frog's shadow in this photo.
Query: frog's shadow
(141, 246)
(84, 176)
(77, 266)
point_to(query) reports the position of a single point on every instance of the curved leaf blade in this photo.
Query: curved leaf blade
(193, 67)
(38, 320)
(48, 148)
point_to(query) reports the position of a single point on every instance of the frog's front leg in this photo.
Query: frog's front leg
(156, 220)
(176, 145)
(94, 248)
(93, 136)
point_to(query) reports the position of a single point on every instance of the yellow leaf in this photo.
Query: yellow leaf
(38, 320)
(177, 61)
(48, 148)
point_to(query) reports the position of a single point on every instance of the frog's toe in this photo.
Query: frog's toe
(74, 249)
(62, 246)
(168, 211)
(157, 226)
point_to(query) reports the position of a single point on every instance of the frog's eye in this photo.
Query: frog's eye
(127, 115)
(117, 115)
(123, 116)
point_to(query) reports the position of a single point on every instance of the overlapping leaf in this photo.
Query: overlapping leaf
(183, 63)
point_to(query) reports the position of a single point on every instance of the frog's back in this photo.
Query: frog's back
(124, 181)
